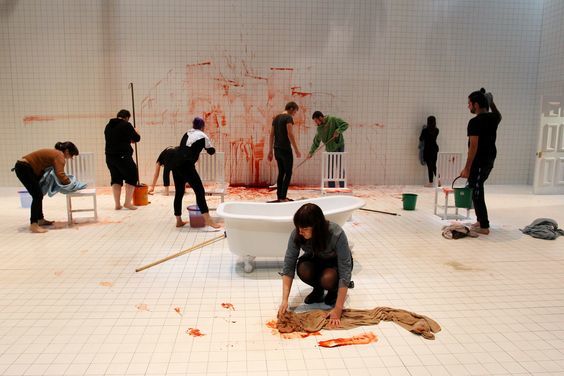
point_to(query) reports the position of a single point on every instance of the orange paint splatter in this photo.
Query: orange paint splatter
(362, 339)
(58, 273)
(228, 306)
(195, 332)
(106, 284)
(177, 310)
(142, 307)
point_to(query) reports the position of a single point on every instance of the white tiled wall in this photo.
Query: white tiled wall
(65, 67)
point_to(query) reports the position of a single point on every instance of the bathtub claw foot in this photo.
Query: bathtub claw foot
(249, 264)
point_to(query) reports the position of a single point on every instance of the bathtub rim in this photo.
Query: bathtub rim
(220, 211)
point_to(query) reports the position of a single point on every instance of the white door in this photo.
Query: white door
(549, 166)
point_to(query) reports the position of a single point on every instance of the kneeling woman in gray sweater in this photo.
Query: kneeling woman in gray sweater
(325, 265)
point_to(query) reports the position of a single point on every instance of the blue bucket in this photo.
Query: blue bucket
(25, 199)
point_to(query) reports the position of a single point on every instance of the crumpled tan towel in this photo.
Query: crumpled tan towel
(313, 321)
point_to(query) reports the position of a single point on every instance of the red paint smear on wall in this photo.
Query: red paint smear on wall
(35, 118)
(27, 120)
(199, 64)
(195, 332)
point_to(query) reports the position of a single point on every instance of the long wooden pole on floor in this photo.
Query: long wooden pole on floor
(193, 248)
(378, 211)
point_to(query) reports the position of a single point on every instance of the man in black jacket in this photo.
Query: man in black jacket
(120, 134)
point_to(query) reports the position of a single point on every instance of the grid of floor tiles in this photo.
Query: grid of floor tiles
(72, 304)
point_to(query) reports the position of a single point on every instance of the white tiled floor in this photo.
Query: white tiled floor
(498, 298)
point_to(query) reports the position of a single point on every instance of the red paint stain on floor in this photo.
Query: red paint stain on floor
(295, 335)
(58, 273)
(362, 339)
(177, 310)
(142, 307)
(228, 306)
(195, 332)
(106, 284)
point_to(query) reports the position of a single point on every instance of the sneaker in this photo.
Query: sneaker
(475, 225)
(316, 296)
(331, 297)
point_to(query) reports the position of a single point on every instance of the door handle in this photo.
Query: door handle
(539, 154)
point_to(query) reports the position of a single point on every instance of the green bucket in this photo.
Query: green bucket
(409, 200)
(462, 196)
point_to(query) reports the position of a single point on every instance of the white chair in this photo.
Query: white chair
(83, 167)
(211, 169)
(333, 169)
(449, 166)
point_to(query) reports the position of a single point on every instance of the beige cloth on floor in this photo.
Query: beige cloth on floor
(313, 321)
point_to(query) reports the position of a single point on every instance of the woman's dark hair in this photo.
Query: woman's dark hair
(431, 122)
(311, 215)
(123, 114)
(198, 123)
(479, 97)
(67, 145)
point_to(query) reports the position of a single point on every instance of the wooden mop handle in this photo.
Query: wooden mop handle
(305, 160)
(193, 248)
(378, 211)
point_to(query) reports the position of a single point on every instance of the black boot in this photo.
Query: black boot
(331, 297)
(316, 296)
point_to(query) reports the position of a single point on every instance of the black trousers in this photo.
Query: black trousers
(166, 176)
(476, 180)
(431, 162)
(318, 266)
(285, 161)
(122, 167)
(25, 173)
(181, 175)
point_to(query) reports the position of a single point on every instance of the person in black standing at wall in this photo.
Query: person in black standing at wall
(184, 171)
(120, 134)
(282, 140)
(482, 133)
(430, 147)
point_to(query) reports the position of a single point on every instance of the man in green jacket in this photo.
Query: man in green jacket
(329, 131)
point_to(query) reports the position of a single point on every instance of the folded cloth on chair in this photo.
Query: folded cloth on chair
(313, 321)
(51, 185)
(543, 228)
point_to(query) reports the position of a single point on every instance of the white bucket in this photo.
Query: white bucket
(25, 199)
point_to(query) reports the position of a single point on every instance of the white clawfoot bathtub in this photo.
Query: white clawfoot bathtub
(256, 229)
